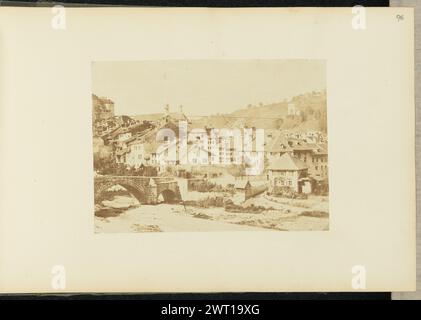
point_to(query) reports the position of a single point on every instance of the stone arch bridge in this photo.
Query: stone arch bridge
(145, 189)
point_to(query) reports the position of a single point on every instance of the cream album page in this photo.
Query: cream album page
(206, 150)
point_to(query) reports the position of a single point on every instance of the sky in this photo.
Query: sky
(203, 87)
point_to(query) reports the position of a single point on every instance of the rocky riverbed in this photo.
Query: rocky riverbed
(124, 214)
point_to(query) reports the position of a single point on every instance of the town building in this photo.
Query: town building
(276, 145)
(248, 189)
(288, 173)
(102, 108)
(314, 156)
(292, 110)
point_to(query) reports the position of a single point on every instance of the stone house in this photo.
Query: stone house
(288, 172)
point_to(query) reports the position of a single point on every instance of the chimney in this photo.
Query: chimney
(167, 110)
(181, 109)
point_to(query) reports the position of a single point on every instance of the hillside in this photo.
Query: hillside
(310, 108)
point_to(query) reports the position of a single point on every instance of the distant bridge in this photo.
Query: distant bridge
(145, 189)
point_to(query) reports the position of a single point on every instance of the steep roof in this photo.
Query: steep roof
(278, 143)
(287, 162)
(241, 184)
(322, 149)
(133, 140)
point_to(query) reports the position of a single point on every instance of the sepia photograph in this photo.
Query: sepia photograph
(210, 145)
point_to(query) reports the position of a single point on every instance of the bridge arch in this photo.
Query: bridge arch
(145, 189)
(135, 190)
(168, 196)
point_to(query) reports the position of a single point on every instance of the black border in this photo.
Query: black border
(206, 297)
(205, 3)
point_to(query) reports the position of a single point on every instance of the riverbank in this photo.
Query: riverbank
(176, 217)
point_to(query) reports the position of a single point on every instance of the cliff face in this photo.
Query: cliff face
(102, 108)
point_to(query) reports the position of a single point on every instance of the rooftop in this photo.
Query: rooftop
(288, 163)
